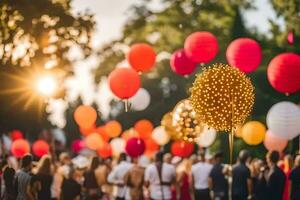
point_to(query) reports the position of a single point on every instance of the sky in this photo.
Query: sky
(111, 15)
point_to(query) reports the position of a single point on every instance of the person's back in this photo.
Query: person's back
(70, 188)
(23, 177)
(10, 192)
(159, 177)
(200, 174)
(241, 178)
(295, 180)
(45, 177)
(275, 184)
(219, 183)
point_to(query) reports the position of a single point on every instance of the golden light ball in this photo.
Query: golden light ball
(187, 125)
(222, 96)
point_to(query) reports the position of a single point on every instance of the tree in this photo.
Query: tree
(36, 36)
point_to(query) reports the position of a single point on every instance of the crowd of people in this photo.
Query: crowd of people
(164, 178)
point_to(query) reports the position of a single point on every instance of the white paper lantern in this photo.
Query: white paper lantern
(283, 119)
(59, 135)
(141, 100)
(207, 137)
(6, 142)
(160, 136)
(118, 146)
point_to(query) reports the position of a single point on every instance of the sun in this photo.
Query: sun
(46, 85)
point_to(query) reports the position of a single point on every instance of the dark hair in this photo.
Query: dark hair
(26, 161)
(218, 154)
(159, 156)
(243, 156)
(94, 163)
(122, 157)
(274, 156)
(9, 177)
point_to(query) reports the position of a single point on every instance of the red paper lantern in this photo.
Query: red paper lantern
(181, 64)
(284, 73)
(105, 151)
(93, 141)
(124, 82)
(141, 57)
(16, 134)
(144, 128)
(40, 148)
(20, 147)
(135, 147)
(85, 116)
(201, 46)
(77, 145)
(182, 149)
(290, 37)
(245, 54)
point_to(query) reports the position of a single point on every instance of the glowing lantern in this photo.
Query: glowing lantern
(130, 133)
(40, 148)
(144, 128)
(16, 134)
(201, 47)
(77, 145)
(160, 136)
(274, 143)
(181, 64)
(284, 73)
(135, 147)
(93, 141)
(113, 128)
(85, 116)
(182, 149)
(283, 120)
(101, 130)
(245, 54)
(105, 151)
(117, 145)
(141, 57)
(253, 132)
(124, 82)
(20, 147)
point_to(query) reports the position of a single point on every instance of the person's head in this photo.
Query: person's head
(272, 158)
(184, 166)
(64, 158)
(201, 156)
(26, 162)
(8, 176)
(44, 165)
(297, 161)
(159, 157)
(255, 166)
(244, 156)
(218, 157)
(167, 158)
(122, 157)
(135, 160)
(94, 163)
(72, 173)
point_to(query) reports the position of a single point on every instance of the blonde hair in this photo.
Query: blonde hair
(44, 165)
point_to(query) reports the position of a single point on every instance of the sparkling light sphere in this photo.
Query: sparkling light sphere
(222, 96)
(186, 124)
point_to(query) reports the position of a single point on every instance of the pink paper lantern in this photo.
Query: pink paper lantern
(274, 143)
(20, 147)
(181, 64)
(77, 145)
(135, 147)
(284, 73)
(40, 148)
(201, 47)
(290, 37)
(245, 54)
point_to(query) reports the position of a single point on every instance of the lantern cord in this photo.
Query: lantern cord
(127, 105)
(231, 140)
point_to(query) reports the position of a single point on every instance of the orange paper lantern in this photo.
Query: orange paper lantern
(130, 133)
(85, 116)
(124, 82)
(105, 151)
(93, 141)
(102, 132)
(113, 128)
(144, 128)
(151, 145)
(87, 131)
(141, 57)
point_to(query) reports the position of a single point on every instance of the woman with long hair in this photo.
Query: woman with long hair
(93, 191)
(10, 192)
(44, 176)
(184, 179)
